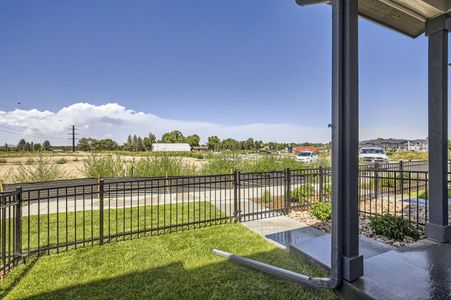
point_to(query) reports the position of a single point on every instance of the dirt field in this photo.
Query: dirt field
(73, 168)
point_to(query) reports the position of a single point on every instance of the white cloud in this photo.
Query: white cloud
(112, 120)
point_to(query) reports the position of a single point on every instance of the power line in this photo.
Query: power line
(35, 135)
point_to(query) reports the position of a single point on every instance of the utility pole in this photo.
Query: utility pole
(73, 136)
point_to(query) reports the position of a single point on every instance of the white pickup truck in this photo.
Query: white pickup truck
(373, 155)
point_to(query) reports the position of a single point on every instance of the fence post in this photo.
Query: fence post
(376, 180)
(101, 195)
(321, 184)
(18, 222)
(236, 195)
(401, 174)
(287, 190)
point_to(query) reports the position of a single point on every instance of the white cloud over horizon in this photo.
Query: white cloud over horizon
(115, 121)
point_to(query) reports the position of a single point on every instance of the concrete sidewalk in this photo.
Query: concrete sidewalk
(273, 226)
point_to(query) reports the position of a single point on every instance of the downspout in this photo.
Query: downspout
(336, 274)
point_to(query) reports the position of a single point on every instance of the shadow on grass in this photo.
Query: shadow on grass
(219, 280)
(11, 280)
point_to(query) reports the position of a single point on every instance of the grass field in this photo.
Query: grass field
(51, 229)
(171, 266)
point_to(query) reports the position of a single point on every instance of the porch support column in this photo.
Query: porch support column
(345, 133)
(437, 227)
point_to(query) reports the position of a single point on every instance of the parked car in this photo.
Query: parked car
(307, 157)
(373, 155)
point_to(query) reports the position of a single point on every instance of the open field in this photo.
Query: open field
(49, 166)
(171, 266)
(73, 165)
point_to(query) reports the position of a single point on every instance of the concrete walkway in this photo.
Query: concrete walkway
(274, 226)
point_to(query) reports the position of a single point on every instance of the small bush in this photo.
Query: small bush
(3, 161)
(41, 170)
(61, 161)
(160, 166)
(302, 193)
(222, 164)
(29, 161)
(199, 155)
(103, 166)
(322, 210)
(327, 192)
(393, 227)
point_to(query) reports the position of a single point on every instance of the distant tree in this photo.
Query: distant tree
(258, 145)
(128, 146)
(173, 137)
(84, 145)
(107, 144)
(46, 145)
(213, 143)
(230, 144)
(149, 141)
(139, 146)
(37, 147)
(22, 145)
(249, 144)
(193, 140)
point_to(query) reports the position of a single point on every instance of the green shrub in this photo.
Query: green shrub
(61, 161)
(269, 163)
(29, 161)
(327, 191)
(160, 166)
(103, 166)
(393, 227)
(3, 161)
(222, 164)
(322, 210)
(302, 193)
(199, 155)
(41, 170)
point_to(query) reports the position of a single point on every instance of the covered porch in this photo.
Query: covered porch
(359, 269)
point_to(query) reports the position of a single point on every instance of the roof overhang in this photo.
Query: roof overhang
(405, 16)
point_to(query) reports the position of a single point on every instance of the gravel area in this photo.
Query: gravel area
(364, 228)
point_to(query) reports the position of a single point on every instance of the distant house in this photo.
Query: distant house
(200, 148)
(397, 144)
(299, 149)
(171, 147)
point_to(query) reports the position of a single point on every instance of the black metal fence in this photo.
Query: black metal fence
(61, 217)
(10, 226)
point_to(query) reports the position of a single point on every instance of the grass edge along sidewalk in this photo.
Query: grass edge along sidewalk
(171, 266)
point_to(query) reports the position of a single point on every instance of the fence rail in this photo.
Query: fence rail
(61, 217)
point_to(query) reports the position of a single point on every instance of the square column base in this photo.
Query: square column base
(438, 233)
(352, 268)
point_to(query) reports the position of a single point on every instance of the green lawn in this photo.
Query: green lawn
(422, 194)
(70, 227)
(171, 266)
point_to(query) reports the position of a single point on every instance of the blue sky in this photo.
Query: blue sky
(223, 63)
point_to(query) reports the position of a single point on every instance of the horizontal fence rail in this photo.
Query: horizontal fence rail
(58, 216)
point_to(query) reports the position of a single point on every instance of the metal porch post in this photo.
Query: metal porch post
(345, 132)
(437, 227)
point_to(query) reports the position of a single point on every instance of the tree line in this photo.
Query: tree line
(23, 145)
(137, 143)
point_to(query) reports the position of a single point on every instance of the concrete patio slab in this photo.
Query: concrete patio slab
(421, 270)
